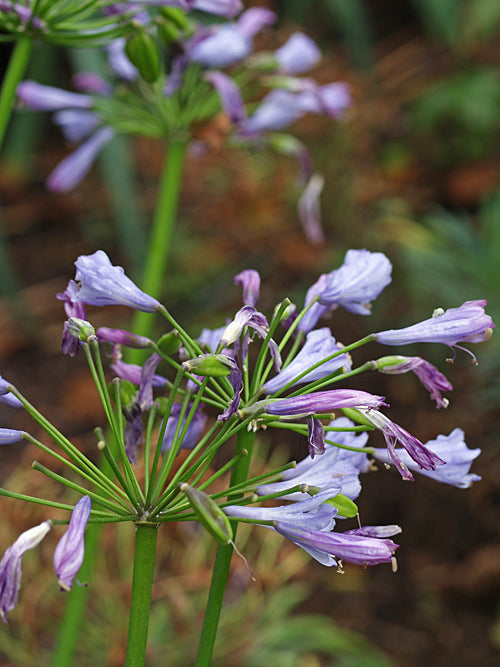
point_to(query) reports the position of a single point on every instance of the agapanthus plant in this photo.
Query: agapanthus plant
(193, 396)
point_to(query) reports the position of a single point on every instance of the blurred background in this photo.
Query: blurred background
(413, 170)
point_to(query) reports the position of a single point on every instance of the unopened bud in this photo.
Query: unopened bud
(209, 514)
(213, 365)
(143, 52)
(345, 506)
(80, 329)
(169, 343)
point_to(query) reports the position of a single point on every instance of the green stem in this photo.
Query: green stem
(161, 235)
(15, 72)
(245, 440)
(142, 583)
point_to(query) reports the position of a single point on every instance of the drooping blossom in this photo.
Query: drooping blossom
(420, 453)
(432, 379)
(122, 337)
(102, 284)
(249, 280)
(319, 345)
(466, 324)
(70, 550)
(249, 317)
(10, 565)
(330, 548)
(453, 450)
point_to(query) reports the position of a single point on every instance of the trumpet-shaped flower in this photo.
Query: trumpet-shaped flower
(453, 450)
(319, 345)
(70, 550)
(102, 284)
(321, 402)
(466, 324)
(10, 565)
(329, 548)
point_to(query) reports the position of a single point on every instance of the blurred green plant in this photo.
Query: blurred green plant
(459, 116)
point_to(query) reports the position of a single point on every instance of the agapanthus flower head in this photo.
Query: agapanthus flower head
(432, 379)
(10, 565)
(70, 550)
(319, 345)
(453, 450)
(102, 284)
(466, 324)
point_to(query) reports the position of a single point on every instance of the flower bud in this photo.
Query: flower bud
(213, 365)
(209, 514)
(344, 505)
(80, 329)
(169, 343)
(142, 51)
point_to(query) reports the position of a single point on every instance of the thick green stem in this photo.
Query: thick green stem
(161, 235)
(15, 72)
(142, 583)
(220, 573)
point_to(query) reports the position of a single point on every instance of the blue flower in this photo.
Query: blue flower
(432, 379)
(193, 432)
(319, 345)
(10, 565)
(299, 54)
(9, 436)
(320, 402)
(453, 450)
(466, 324)
(102, 284)
(69, 553)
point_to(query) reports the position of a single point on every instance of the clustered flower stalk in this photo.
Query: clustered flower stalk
(194, 395)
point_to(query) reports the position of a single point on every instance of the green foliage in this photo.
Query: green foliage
(460, 115)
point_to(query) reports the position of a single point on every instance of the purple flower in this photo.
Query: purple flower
(432, 379)
(122, 337)
(24, 14)
(226, 8)
(299, 54)
(72, 307)
(47, 98)
(11, 401)
(336, 467)
(10, 565)
(229, 94)
(315, 437)
(250, 282)
(466, 324)
(248, 316)
(329, 548)
(133, 373)
(73, 169)
(312, 512)
(4, 386)
(320, 402)
(9, 436)
(424, 457)
(359, 280)
(453, 450)
(319, 345)
(102, 284)
(317, 310)
(193, 432)
(70, 550)
(309, 209)
(226, 44)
